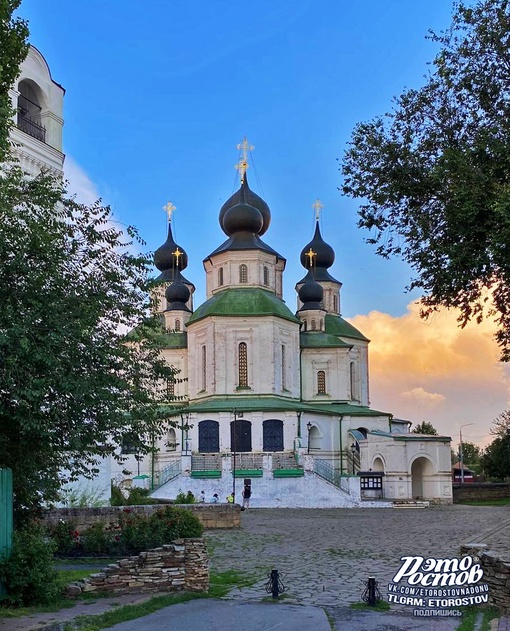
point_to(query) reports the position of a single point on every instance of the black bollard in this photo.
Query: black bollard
(274, 583)
(372, 594)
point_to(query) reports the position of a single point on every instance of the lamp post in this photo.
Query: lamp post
(353, 451)
(308, 427)
(234, 456)
(462, 453)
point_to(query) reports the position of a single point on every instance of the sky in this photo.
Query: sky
(158, 96)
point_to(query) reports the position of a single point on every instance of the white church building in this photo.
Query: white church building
(277, 397)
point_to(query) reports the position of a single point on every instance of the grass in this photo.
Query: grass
(219, 585)
(470, 615)
(502, 501)
(382, 605)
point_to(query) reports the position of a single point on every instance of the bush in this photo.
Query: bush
(28, 573)
(64, 536)
(137, 497)
(97, 539)
(184, 498)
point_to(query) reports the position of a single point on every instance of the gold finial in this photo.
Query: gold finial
(177, 254)
(169, 209)
(318, 206)
(243, 165)
(310, 254)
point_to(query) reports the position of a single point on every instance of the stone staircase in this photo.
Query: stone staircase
(410, 504)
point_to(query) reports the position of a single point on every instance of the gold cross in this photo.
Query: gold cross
(169, 209)
(177, 254)
(318, 207)
(242, 165)
(310, 254)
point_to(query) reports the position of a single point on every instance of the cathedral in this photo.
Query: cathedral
(272, 396)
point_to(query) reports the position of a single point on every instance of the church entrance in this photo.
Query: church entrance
(240, 435)
(420, 468)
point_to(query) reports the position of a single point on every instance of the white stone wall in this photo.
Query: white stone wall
(264, 337)
(33, 153)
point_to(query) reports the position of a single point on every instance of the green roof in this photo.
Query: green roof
(318, 339)
(411, 436)
(258, 403)
(243, 303)
(336, 325)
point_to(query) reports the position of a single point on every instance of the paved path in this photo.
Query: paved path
(324, 557)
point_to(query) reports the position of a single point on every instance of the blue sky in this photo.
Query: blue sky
(160, 93)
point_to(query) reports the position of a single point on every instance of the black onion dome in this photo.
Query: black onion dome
(310, 293)
(325, 255)
(242, 218)
(247, 196)
(164, 258)
(177, 294)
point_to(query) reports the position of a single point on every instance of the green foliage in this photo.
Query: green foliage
(425, 428)
(136, 497)
(28, 573)
(13, 50)
(91, 496)
(133, 533)
(471, 453)
(185, 498)
(495, 460)
(433, 173)
(73, 387)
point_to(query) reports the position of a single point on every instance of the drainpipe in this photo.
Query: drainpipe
(152, 461)
(341, 444)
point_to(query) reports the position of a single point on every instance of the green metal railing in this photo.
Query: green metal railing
(323, 469)
(168, 473)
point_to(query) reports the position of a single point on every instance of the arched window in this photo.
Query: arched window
(204, 367)
(29, 112)
(321, 382)
(243, 273)
(272, 435)
(208, 437)
(177, 325)
(321, 324)
(243, 365)
(352, 370)
(314, 325)
(220, 277)
(284, 385)
(240, 435)
(266, 276)
(335, 303)
(171, 440)
(305, 326)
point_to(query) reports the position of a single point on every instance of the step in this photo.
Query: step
(410, 504)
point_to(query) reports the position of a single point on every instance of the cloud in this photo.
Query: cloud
(431, 370)
(79, 183)
(421, 397)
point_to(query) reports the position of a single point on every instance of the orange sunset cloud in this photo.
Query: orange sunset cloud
(431, 370)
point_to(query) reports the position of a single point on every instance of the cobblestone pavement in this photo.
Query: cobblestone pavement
(325, 556)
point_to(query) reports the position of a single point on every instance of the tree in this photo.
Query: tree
(14, 48)
(71, 388)
(471, 453)
(425, 428)
(495, 459)
(434, 172)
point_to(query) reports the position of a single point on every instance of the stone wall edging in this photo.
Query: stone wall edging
(496, 573)
(480, 491)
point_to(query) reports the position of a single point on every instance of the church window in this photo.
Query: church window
(220, 277)
(272, 435)
(321, 382)
(321, 324)
(243, 273)
(177, 325)
(305, 326)
(335, 303)
(208, 437)
(284, 385)
(130, 444)
(314, 325)
(204, 367)
(243, 365)
(171, 440)
(29, 112)
(240, 435)
(266, 276)
(352, 369)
